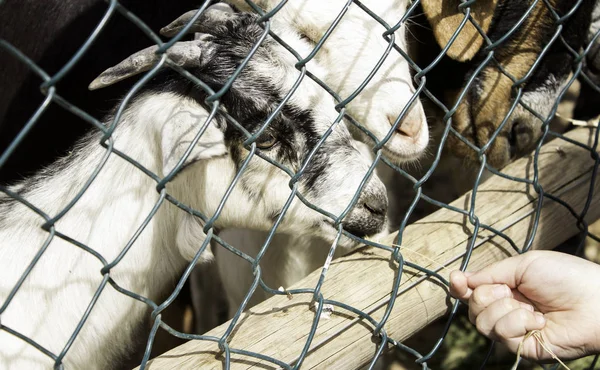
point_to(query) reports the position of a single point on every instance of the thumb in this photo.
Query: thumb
(458, 285)
(508, 271)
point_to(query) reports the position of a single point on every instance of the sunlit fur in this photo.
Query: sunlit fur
(155, 130)
(350, 53)
(525, 56)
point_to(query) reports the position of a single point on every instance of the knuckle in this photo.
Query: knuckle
(511, 325)
(509, 303)
(501, 330)
(521, 314)
(480, 297)
(482, 324)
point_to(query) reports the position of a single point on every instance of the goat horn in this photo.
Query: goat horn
(215, 13)
(184, 54)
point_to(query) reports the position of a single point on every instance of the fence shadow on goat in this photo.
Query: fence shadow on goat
(287, 118)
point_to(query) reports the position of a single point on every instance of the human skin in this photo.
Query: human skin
(553, 292)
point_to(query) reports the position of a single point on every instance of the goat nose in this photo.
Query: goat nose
(368, 217)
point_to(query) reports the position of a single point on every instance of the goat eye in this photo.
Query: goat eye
(266, 141)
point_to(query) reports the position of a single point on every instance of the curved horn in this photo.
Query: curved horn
(215, 13)
(184, 54)
(445, 17)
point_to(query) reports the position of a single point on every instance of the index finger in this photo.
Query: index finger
(508, 271)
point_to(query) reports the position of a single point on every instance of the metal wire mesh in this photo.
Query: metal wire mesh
(50, 89)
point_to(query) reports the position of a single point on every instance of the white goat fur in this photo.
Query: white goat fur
(348, 56)
(155, 130)
(343, 55)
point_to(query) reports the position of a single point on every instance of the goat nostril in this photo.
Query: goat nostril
(520, 138)
(409, 128)
(370, 218)
(378, 209)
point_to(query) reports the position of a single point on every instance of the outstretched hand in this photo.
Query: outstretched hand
(553, 292)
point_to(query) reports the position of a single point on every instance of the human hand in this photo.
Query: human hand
(553, 292)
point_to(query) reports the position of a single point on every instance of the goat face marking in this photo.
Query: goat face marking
(336, 168)
(157, 129)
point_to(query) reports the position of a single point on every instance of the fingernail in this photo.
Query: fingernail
(500, 291)
(539, 317)
(526, 306)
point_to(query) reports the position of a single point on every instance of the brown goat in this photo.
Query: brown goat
(492, 94)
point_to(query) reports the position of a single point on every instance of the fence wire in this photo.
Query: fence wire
(51, 89)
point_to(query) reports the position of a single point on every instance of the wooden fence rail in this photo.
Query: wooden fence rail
(279, 326)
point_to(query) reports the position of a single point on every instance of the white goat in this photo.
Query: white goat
(351, 52)
(348, 56)
(156, 129)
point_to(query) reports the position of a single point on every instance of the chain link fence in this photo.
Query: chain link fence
(427, 73)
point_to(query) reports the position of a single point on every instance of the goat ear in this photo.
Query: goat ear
(213, 15)
(186, 54)
(445, 18)
(190, 236)
(179, 133)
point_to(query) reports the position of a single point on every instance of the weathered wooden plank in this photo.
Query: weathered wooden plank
(279, 326)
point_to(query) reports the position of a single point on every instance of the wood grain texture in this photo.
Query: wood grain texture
(279, 326)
